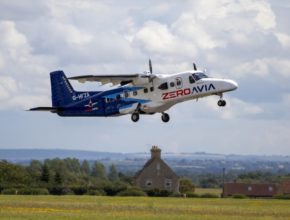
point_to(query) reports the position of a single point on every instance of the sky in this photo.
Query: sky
(244, 40)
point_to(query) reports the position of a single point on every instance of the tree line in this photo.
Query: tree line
(72, 176)
(63, 176)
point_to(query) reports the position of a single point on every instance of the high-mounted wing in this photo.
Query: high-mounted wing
(114, 79)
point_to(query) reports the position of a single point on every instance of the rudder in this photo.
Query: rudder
(61, 89)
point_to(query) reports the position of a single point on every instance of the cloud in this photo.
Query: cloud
(284, 39)
(244, 40)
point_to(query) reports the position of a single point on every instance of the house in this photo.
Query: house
(157, 174)
(250, 190)
(284, 188)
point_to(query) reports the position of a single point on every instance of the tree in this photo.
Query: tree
(185, 186)
(98, 171)
(45, 173)
(58, 178)
(85, 167)
(113, 173)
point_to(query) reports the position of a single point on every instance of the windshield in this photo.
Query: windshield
(198, 76)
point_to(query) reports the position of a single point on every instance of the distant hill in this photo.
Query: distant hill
(18, 155)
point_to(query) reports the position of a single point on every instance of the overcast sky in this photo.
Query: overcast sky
(244, 40)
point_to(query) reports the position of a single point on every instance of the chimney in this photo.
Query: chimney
(155, 152)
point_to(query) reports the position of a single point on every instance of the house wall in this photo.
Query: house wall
(158, 175)
(251, 190)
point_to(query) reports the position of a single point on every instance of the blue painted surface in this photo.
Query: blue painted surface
(69, 102)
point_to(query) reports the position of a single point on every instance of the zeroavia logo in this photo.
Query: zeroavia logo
(203, 88)
(187, 91)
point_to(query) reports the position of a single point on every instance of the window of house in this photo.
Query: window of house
(163, 86)
(249, 188)
(270, 189)
(158, 166)
(145, 90)
(168, 183)
(148, 183)
(135, 93)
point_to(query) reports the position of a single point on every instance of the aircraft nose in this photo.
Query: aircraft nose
(232, 84)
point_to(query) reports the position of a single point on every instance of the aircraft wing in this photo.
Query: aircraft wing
(114, 79)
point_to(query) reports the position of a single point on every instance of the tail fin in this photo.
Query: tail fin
(61, 90)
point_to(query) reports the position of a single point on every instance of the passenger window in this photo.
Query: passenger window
(172, 84)
(126, 94)
(135, 93)
(178, 83)
(151, 89)
(145, 90)
(191, 79)
(163, 86)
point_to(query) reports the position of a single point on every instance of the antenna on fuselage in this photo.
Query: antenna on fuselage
(194, 66)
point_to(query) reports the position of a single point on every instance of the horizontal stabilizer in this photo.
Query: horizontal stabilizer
(50, 109)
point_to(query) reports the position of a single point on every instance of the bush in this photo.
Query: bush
(25, 191)
(33, 191)
(192, 195)
(175, 194)
(95, 192)
(115, 188)
(132, 192)
(209, 195)
(286, 197)
(10, 191)
(239, 196)
(158, 193)
(79, 190)
(59, 190)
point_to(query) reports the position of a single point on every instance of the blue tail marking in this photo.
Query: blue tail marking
(61, 90)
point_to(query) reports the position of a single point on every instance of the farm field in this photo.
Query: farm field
(95, 207)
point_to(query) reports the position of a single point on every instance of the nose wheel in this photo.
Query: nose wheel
(221, 103)
(165, 117)
(135, 117)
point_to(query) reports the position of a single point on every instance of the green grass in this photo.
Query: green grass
(94, 207)
(209, 190)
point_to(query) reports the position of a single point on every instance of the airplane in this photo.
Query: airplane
(135, 94)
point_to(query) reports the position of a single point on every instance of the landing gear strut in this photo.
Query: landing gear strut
(135, 117)
(221, 102)
(165, 117)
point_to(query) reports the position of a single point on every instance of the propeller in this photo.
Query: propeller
(194, 66)
(150, 76)
(150, 66)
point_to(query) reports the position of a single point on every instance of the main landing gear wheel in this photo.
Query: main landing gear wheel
(165, 117)
(222, 103)
(135, 117)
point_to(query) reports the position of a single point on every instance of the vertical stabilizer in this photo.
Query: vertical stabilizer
(61, 90)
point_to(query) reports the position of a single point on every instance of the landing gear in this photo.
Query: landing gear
(221, 103)
(135, 117)
(165, 117)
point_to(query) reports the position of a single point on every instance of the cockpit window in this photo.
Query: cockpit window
(198, 76)
(163, 86)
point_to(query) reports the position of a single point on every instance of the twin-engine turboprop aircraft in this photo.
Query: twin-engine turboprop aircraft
(141, 93)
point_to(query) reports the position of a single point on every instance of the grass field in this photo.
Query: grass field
(200, 191)
(94, 207)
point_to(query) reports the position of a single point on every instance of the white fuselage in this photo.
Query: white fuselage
(167, 90)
